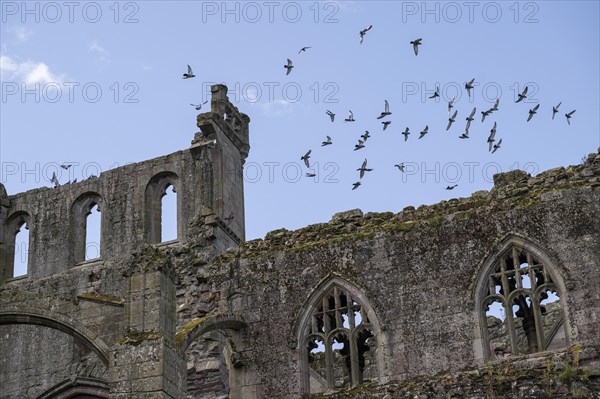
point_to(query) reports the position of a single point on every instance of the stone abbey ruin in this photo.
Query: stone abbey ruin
(492, 296)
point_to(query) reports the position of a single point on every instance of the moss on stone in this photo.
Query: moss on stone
(188, 327)
(134, 338)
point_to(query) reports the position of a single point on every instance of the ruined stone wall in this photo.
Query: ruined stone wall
(419, 270)
(96, 320)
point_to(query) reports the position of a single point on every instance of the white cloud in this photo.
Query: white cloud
(102, 55)
(20, 32)
(28, 71)
(275, 108)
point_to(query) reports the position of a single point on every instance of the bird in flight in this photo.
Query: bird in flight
(303, 49)
(470, 118)
(416, 43)
(400, 166)
(465, 135)
(229, 218)
(532, 112)
(496, 104)
(331, 115)
(523, 95)
(363, 168)
(364, 32)
(66, 166)
(355, 185)
(289, 66)
(451, 187)
(350, 117)
(469, 86)
(490, 139)
(386, 111)
(496, 146)
(424, 132)
(199, 106)
(555, 109)
(485, 113)
(406, 133)
(451, 120)
(437, 92)
(569, 115)
(386, 124)
(311, 174)
(305, 158)
(366, 135)
(360, 145)
(450, 106)
(327, 142)
(189, 74)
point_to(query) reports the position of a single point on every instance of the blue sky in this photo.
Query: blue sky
(135, 53)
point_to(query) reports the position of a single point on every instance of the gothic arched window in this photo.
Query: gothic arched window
(14, 246)
(522, 308)
(162, 208)
(338, 340)
(86, 227)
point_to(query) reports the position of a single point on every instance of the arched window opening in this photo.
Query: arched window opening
(21, 258)
(169, 214)
(92, 233)
(339, 344)
(14, 246)
(86, 227)
(162, 208)
(522, 308)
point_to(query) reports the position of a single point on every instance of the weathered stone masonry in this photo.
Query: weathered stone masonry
(375, 305)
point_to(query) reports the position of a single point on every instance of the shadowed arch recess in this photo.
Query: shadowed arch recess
(62, 324)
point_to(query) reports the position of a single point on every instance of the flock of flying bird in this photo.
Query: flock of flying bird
(493, 147)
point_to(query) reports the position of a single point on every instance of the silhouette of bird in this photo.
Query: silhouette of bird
(484, 114)
(350, 117)
(437, 92)
(363, 168)
(366, 135)
(305, 158)
(424, 132)
(416, 43)
(469, 86)
(400, 166)
(470, 118)
(465, 135)
(386, 124)
(450, 106)
(496, 146)
(310, 174)
(303, 49)
(569, 115)
(189, 74)
(555, 110)
(386, 111)
(199, 106)
(451, 120)
(230, 218)
(406, 133)
(523, 95)
(532, 112)
(327, 142)
(451, 187)
(66, 166)
(331, 115)
(360, 145)
(355, 185)
(490, 139)
(364, 32)
(496, 104)
(289, 66)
